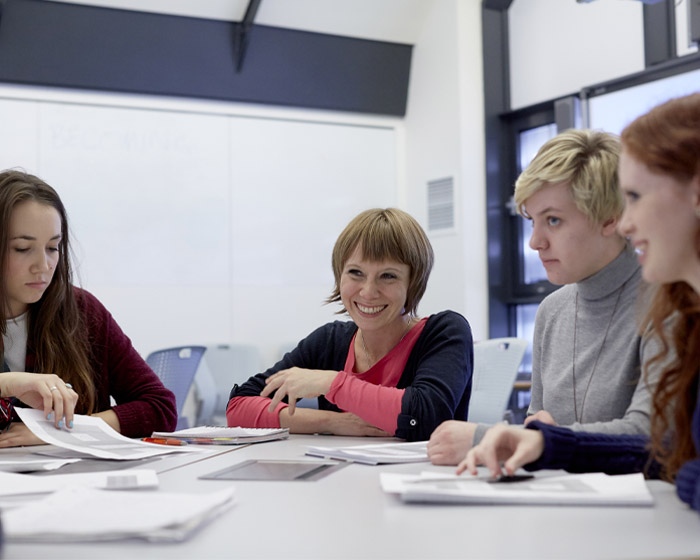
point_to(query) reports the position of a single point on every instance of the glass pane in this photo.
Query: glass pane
(613, 111)
(533, 270)
(525, 329)
(529, 142)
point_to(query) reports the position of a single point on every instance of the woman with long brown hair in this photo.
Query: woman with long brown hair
(50, 326)
(660, 179)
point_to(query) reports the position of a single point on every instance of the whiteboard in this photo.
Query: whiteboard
(296, 186)
(198, 228)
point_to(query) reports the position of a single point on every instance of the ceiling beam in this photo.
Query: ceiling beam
(241, 33)
(84, 47)
(496, 4)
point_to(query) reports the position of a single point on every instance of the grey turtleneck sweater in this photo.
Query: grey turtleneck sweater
(611, 394)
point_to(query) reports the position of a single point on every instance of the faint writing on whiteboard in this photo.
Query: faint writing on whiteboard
(76, 137)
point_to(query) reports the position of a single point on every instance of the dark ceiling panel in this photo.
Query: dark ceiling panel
(496, 4)
(77, 46)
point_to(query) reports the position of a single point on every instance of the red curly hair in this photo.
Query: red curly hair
(667, 141)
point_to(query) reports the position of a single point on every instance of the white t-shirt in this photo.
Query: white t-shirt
(15, 342)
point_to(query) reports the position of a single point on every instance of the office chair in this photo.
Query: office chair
(176, 368)
(496, 363)
(222, 366)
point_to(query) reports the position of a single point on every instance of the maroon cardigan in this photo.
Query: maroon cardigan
(144, 405)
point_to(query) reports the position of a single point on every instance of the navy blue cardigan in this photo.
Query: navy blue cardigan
(437, 377)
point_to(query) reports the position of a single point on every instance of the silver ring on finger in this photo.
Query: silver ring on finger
(69, 385)
(54, 388)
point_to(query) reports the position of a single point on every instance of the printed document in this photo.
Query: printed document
(91, 435)
(80, 514)
(13, 484)
(567, 489)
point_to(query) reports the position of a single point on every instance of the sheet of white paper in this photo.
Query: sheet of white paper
(87, 514)
(573, 489)
(13, 484)
(395, 483)
(376, 453)
(19, 465)
(93, 436)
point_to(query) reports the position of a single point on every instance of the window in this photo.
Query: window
(613, 109)
(529, 142)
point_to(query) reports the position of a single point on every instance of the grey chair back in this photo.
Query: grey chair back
(176, 368)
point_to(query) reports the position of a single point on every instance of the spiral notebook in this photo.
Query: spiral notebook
(222, 435)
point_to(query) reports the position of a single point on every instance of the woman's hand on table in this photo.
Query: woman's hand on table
(314, 421)
(18, 435)
(349, 424)
(43, 391)
(297, 383)
(450, 442)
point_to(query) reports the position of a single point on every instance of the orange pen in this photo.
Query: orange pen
(163, 441)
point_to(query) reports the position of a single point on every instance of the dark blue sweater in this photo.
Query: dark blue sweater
(615, 454)
(437, 378)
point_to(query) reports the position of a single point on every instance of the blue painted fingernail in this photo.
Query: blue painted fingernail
(60, 423)
(70, 424)
(48, 416)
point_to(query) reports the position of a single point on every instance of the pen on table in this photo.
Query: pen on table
(210, 440)
(164, 441)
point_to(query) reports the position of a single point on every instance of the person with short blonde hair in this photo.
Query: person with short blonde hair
(386, 372)
(587, 352)
(586, 160)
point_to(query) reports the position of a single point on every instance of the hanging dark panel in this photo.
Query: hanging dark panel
(77, 46)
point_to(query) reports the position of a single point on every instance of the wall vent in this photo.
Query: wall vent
(441, 215)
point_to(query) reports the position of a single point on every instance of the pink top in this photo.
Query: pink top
(371, 395)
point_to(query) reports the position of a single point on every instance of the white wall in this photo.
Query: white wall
(558, 47)
(202, 222)
(257, 268)
(445, 138)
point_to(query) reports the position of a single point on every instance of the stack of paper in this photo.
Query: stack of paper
(571, 489)
(78, 514)
(222, 435)
(374, 454)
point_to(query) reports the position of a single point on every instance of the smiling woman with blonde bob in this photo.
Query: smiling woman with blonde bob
(386, 372)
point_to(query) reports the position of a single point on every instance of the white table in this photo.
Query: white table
(346, 515)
